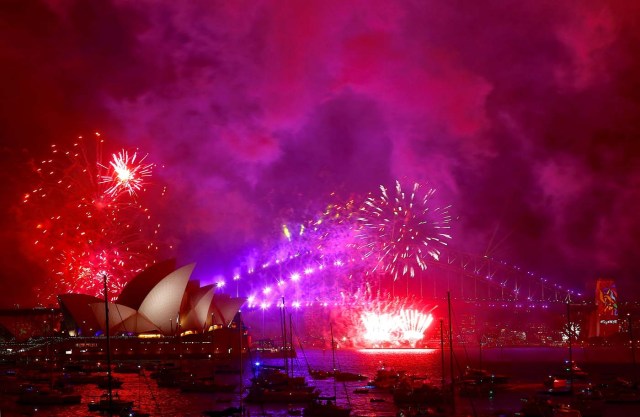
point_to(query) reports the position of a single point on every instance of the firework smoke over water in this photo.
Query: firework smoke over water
(84, 219)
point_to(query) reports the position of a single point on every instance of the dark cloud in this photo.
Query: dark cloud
(524, 117)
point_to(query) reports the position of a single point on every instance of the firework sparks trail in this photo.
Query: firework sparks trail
(413, 325)
(379, 327)
(83, 219)
(381, 320)
(401, 232)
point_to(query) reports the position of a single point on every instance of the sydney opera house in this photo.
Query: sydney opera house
(160, 313)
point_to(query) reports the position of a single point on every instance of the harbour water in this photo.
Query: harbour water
(526, 367)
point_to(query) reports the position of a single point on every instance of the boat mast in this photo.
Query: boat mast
(241, 324)
(283, 328)
(333, 353)
(570, 334)
(453, 399)
(442, 351)
(106, 320)
(633, 350)
(291, 340)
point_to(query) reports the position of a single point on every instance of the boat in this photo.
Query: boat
(272, 385)
(277, 384)
(387, 378)
(109, 402)
(348, 376)
(574, 370)
(558, 386)
(325, 407)
(406, 395)
(478, 376)
(319, 374)
(586, 403)
(280, 395)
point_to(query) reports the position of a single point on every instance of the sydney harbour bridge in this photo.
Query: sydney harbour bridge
(489, 297)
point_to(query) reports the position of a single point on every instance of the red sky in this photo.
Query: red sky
(525, 118)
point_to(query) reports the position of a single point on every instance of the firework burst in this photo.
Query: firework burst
(125, 174)
(402, 231)
(413, 325)
(378, 319)
(84, 219)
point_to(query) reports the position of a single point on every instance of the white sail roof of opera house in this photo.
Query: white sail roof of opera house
(197, 316)
(158, 311)
(161, 303)
(123, 319)
(224, 308)
(135, 291)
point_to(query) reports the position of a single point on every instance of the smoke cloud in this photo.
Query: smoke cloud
(525, 118)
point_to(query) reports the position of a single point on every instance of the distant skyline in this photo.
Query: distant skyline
(526, 119)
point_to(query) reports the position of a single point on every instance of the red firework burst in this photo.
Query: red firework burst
(83, 218)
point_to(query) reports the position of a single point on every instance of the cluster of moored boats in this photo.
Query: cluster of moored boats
(571, 392)
(42, 386)
(574, 393)
(275, 385)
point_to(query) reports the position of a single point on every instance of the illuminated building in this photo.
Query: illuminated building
(153, 303)
(606, 308)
